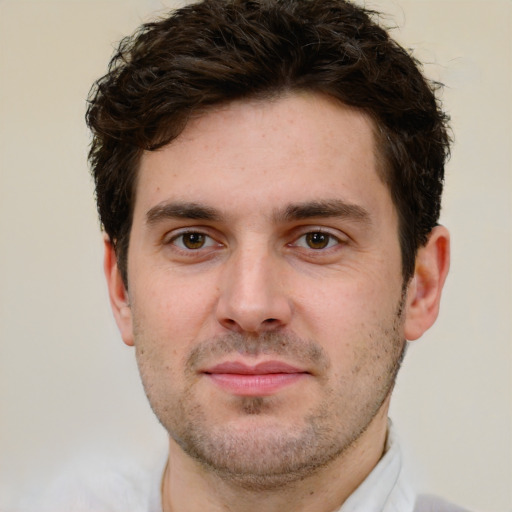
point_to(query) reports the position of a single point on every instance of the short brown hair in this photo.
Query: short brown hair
(217, 51)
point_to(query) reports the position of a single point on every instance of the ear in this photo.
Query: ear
(118, 294)
(424, 289)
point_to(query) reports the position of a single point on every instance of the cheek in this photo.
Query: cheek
(348, 301)
(349, 317)
(172, 308)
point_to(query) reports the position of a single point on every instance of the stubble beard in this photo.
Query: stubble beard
(277, 454)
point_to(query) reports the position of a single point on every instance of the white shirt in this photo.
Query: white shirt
(130, 488)
(385, 489)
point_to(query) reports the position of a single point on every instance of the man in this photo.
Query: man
(269, 175)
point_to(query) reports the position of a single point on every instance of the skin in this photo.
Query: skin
(264, 233)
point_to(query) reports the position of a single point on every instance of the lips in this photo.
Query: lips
(262, 379)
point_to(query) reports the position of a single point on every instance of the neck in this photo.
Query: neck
(188, 486)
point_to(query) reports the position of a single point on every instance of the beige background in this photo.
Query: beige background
(68, 386)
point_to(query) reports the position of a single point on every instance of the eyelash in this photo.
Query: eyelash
(325, 236)
(206, 241)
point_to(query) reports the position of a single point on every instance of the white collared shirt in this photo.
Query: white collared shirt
(385, 489)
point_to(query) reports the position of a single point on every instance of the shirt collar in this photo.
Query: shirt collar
(385, 489)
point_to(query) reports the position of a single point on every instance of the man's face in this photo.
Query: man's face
(265, 296)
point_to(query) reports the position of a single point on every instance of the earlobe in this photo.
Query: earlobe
(119, 299)
(425, 288)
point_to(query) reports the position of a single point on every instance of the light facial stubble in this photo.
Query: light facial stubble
(277, 452)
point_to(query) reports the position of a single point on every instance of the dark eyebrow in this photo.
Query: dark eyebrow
(299, 211)
(180, 210)
(328, 208)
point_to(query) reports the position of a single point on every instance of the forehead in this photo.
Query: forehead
(297, 147)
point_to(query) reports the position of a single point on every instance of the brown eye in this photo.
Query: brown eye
(317, 240)
(193, 241)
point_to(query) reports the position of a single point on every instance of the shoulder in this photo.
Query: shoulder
(429, 503)
(103, 488)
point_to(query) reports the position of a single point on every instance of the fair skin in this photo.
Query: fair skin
(266, 304)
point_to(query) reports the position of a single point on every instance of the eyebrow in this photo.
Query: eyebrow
(181, 210)
(292, 212)
(323, 209)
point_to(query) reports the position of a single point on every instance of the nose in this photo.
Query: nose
(253, 298)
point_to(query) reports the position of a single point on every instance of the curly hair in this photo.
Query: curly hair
(217, 51)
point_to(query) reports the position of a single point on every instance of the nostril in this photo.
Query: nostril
(270, 320)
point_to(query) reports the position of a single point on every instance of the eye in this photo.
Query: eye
(193, 241)
(316, 240)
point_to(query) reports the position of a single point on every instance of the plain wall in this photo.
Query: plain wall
(69, 387)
